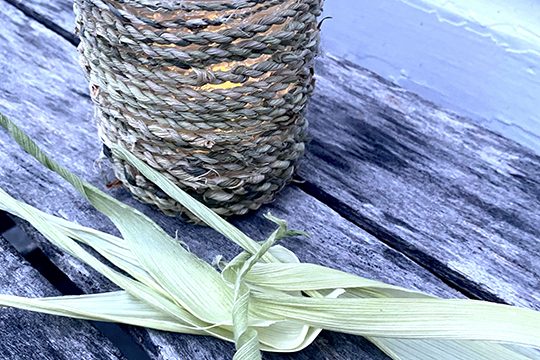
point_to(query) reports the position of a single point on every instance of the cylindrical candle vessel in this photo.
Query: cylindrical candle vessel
(210, 93)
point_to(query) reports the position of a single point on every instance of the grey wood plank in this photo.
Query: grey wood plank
(26, 336)
(44, 90)
(57, 15)
(460, 200)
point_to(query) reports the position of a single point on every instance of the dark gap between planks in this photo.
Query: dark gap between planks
(66, 34)
(436, 267)
(31, 252)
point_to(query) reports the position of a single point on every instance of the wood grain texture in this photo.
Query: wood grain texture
(44, 91)
(57, 15)
(27, 336)
(458, 199)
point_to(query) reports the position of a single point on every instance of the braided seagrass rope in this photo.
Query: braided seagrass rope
(210, 93)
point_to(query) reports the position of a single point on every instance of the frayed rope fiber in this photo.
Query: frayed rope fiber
(209, 93)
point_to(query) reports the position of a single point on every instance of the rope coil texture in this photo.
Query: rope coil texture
(210, 93)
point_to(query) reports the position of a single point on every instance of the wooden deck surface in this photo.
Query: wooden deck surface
(392, 188)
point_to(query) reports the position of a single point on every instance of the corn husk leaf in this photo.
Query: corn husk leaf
(117, 306)
(258, 300)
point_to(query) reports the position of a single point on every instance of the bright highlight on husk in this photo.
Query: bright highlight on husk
(258, 301)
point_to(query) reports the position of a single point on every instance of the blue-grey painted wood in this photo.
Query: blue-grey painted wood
(480, 58)
(57, 15)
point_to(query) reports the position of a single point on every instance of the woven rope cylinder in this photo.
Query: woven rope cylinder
(210, 93)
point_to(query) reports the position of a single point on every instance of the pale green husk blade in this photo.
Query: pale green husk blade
(406, 349)
(407, 318)
(117, 306)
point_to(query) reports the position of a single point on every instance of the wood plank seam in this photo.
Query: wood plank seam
(436, 267)
(441, 184)
(37, 259)
(66, 34)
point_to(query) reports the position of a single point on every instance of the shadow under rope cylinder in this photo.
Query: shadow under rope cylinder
(209, 93)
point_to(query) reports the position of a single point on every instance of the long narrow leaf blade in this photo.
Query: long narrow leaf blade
(118, 307)
(407, 349)
(54, 234)
(408, 318)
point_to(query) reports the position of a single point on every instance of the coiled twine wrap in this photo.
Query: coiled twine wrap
(211, 93)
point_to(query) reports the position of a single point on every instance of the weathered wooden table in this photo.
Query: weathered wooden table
(393, 188)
